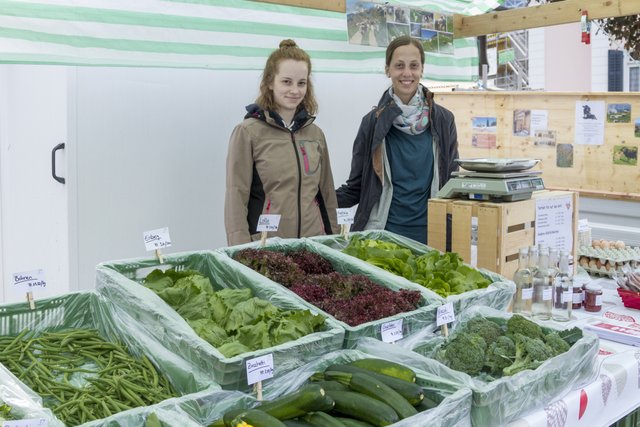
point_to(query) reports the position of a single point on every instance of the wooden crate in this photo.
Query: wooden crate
(502, 228)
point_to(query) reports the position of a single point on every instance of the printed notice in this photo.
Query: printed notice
(589, 123)
(391, 331)
(259, 368)
(34, 422)
(445, 314)
(157, 239)
(27, 281)
(268, 223)
(554, 223)
(539, 119)
(345, 215)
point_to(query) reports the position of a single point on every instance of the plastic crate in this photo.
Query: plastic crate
(119, 282)
(412, 321)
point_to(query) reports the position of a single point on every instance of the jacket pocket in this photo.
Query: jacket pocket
(310, 155)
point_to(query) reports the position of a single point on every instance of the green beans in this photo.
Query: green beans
(80, 376)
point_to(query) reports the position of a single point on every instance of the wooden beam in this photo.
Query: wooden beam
(331, 5)
(544, 15)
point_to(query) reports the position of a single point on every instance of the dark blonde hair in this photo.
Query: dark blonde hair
(403, 41)
(288, 50)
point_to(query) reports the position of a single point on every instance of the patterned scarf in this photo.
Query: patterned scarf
(415, 116)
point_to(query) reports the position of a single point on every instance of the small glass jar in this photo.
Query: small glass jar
(577, 297)
(593, 298)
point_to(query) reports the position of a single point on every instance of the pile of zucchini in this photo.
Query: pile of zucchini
(364, 393)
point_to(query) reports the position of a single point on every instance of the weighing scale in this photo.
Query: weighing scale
(502, 180)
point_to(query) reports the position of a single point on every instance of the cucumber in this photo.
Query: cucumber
(332, 385)
(366, 384)
(308, 398)
(321, 419)
(410, 391)
(256, 418)
(363, 407)
(386, 367)
(350, 422)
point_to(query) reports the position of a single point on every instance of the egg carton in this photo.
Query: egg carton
(612, 255)
(602, 271)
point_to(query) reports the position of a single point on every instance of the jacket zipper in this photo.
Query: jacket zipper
(295, 148)
(305, 159)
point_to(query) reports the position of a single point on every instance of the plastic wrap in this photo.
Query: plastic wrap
(25, 404)
(411, 321)
(87, 310)
(497, 295)
(505, 399)
(119, 281)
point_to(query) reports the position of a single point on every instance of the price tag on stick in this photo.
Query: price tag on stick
(154, 240)
(27, 281)
(391, 331)
(444, 316)
(266, 223)
(259, 369)
(345, 218)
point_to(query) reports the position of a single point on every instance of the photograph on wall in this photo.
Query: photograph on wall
(619, 113)
(625, 155)
(545, 138)
(637, 128)
(483, 140)
(521, 122)
(376, 23)
(484, 132)
(589, 122)
(564, 155)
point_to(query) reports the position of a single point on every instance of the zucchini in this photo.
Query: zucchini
(297, 423)
(363, 407)
(256, 418)
(350, 422)
(321, 419)
(332, 385)
(410, 391)
(366, 384)
(308, 398)
(386, 367)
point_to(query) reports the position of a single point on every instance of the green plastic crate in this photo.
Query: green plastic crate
(412, 321)
(119, 282)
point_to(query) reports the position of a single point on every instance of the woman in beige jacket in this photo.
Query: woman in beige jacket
(278, 162)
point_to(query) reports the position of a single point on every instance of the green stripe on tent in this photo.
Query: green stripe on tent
(109, 16)
(264, 7)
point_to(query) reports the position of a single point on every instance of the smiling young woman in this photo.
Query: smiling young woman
(404, 151)
(278, 162)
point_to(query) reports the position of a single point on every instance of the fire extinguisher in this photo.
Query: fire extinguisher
(585, 26)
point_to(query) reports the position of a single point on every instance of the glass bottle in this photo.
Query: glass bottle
(562, 291)
(533, 259)
(554, 259)
(523, 279)
(542, 288)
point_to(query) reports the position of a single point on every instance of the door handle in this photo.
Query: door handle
(60, 179)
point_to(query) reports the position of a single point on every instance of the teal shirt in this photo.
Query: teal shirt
(411, 162)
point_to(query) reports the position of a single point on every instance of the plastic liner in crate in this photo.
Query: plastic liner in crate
(412, 321)
(454, 402)
(505, 399)
(24, 403)
(497, 295)
(88, 310)
(119, 282)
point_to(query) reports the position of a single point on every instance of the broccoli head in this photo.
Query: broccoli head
(487, 329)
(465, 352)
(556, 343)
(500, 354)
(518, 324)
(530, 353)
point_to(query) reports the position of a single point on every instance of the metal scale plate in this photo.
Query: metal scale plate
(493, 180)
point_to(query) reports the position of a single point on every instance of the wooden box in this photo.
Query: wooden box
(501, 230)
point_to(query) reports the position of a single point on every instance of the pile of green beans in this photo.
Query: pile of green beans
(80, 376)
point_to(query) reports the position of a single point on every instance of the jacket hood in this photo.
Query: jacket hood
(301, 119)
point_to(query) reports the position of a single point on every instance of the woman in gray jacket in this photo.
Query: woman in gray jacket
(278, 162)
(404, 151)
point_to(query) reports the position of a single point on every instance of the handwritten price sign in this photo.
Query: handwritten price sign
(445, 314)
(157, 239)
(268, 223)
(27, 281)
(391, 331)
(259, 368)
(345, 215)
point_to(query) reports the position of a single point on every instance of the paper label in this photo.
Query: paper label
(577, 298)
(157, 239)
(445, 314)
(527, 293)
(345, 215)
(598, 299)
(268, 222)
(34, 422)
(259, 368)
(27, 281)
(547, 294)
(567, 296)
(391, 331)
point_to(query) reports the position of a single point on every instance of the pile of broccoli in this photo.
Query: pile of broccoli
(484, 346)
